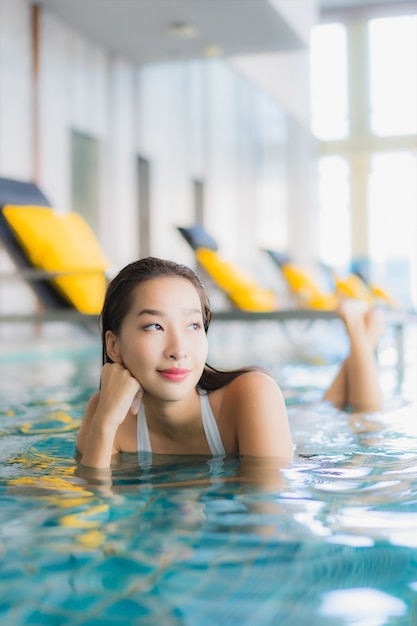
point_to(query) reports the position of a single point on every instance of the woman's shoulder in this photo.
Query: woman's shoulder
(251, 388)
(255, 406)
(252, 381)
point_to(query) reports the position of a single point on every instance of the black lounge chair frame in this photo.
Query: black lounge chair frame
(56, 307)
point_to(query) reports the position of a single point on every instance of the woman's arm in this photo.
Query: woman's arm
(105, 411)
(260, 416)
(86, 422)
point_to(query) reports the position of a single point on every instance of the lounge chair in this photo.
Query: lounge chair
(57, 255)
(206, 252)
(236, 285)
(358, 283)
(306, 290)
(242, 290)
(309, 292)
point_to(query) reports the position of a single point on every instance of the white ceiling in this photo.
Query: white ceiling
(344, 4)
(138, 29)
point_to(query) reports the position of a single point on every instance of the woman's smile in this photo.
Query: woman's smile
(174, 374)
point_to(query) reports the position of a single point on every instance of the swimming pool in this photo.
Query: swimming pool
(332, 542)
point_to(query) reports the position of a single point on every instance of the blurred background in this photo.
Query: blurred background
(283, 124)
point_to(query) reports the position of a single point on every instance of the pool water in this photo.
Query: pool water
(330, 540)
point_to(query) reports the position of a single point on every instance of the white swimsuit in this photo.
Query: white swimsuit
(209, 424)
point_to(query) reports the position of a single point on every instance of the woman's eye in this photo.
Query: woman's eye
(196, 325)
(154, 326)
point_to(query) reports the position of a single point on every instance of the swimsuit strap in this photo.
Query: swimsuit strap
(144, 442)
(210, 427)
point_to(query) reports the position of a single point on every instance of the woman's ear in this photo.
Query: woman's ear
(112, 347)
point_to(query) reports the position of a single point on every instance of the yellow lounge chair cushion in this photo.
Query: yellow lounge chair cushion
(353, 287)
(308, 291)
(380, 294)
(62, 243)
(241, 289)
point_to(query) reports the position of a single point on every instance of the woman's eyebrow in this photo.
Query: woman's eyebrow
(191, 311)
(150, 312)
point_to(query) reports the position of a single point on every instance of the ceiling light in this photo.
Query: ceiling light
(213, 51)
(183, 30)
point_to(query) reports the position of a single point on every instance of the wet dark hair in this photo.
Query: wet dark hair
(118, 301)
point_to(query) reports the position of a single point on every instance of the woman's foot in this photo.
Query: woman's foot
(374, 322)
(353, 313)
(356, 314)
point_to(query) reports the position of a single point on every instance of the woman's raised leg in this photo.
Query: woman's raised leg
(357, 382)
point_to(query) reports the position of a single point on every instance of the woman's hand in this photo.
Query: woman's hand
(120, 393)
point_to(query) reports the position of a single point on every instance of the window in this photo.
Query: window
(329, 102)
(85, 176)
(393, 222)
(393, 92)
(144, 208)
(367, 166)
(198, 197)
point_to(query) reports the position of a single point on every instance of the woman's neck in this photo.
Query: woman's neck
(172, 416)
(176, 427)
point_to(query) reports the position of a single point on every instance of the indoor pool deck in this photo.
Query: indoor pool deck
(329, 540)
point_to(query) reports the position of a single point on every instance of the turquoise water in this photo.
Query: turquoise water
(330, 540)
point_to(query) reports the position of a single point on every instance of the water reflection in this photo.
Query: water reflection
(328, 539)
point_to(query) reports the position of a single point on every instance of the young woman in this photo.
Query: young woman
(158, 395)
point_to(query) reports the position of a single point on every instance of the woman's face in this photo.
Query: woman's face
(162, 341)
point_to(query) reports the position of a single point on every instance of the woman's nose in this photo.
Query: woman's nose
(177, 348)
(177, 355)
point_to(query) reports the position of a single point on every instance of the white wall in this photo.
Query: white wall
(72, 95)
(15, 90)
(227, 123)
(118, 222)
(299, 14)
(15, 127)
(203, 119)
(285, 76)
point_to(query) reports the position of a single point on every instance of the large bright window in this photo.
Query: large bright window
(393, 222)
(367, 166)
(329, 101)
(393, 75)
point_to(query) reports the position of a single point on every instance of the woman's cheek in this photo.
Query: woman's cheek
(204, 351)
(135, 363)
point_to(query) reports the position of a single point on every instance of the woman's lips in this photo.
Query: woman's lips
(174, 374)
